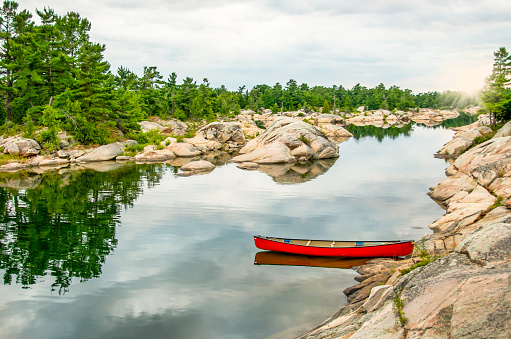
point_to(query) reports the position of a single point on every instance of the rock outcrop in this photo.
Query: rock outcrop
(462, 141)
(284, 137)
(20, 146)
(103, 153)
(465, 292)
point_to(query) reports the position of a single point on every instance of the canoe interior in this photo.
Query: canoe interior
(332, 244)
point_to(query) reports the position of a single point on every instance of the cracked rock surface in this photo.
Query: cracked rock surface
(465, 292)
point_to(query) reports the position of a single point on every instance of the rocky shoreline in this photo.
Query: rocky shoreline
(457, 284)
(251, 139)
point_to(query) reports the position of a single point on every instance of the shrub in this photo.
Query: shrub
(497, 203)
(304, 139)
(29, 127)
(423, 253)
(133, 149)
(398, 302)
(482, 138)
(260, 124)
(48, 139)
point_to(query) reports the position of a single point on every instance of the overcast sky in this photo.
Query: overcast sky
(422, 45)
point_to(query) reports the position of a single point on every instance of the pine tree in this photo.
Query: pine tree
(326, 107)
(496, 94)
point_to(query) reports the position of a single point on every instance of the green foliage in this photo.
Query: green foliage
(304, 139)
(423, 253)
(49, 236)
(496, 94)
(398, 303)
(497, 203)
(326, 107)
(29, 128)
(133, 149)
(7, 158)
(9, 128)
(260, 124)
(48, 139)
(482, 138)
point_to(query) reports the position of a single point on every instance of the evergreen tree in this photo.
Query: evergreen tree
(496, 93)
(326, 107)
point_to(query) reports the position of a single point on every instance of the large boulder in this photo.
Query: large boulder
(184, 149)
(198, 166)
(336, 131)
(223, 132)
(505, 131)
(268, 154)
(21, 146)
(204, 144)
(154, 155)
(278, 142)
(147, 126)
(103, 153)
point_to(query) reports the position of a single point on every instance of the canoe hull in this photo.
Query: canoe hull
(396, 249)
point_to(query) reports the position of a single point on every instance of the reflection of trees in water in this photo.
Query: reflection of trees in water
(378, 132)
(463, 120)
(393, 132)
(65, 226)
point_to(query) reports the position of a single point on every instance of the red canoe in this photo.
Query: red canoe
(329, 248)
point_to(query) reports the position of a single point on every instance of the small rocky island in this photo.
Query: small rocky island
(457, 284)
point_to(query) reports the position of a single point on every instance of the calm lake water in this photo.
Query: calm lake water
(142, 252)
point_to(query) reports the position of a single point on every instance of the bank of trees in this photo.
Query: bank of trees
(52, 75)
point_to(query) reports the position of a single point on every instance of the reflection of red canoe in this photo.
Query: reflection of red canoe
(329, 248)
(286, 259)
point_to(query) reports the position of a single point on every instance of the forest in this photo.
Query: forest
(53, 75)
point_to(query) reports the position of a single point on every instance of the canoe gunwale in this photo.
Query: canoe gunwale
(374, 249)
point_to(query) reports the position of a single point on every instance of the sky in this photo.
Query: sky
(422, 45)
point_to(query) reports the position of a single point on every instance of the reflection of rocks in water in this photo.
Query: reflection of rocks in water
(298, 172)
(101, 166)
(217, 158)
(20, 180)
(180, 161)
(340, 140)
(431, 123)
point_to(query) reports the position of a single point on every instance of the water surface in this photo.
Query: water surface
(142, 252)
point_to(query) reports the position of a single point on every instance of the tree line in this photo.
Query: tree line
(52, 75)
